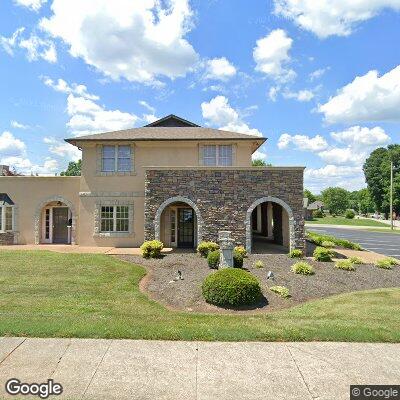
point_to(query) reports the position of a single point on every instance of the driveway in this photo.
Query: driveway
(379, 242)
(130, 369)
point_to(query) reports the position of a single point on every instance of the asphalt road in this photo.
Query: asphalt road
(379, 242)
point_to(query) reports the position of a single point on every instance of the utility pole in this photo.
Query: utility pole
(391, 195)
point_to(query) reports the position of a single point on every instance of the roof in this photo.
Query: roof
(5, 199)
(168, 128)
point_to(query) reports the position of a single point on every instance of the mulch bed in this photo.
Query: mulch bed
(186, 294)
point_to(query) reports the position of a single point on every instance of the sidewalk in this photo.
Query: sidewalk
(129, 369)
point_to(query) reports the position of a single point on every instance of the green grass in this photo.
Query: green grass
(46, 294)
(344, 221)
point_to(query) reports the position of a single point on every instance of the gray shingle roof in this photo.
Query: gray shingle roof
(166, 133)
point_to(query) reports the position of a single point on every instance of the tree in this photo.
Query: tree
(377, 175)
(310, 196)
(335, 199)
(74, 169)
(260, 163)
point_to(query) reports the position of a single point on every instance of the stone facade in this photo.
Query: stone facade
(225, 198)
(6, 238)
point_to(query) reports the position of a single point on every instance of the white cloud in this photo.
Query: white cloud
(18, 125)
(303, 142)
(317, 73)
(63, 87)
(361, 136)
(271, 55)
(273, 92)
(342, 156)
(219, 69)
(367, 98)
(10, 145)
(36, 47)
(218, 112)
(259, 155)
(63, 149)
(301, 95)
(147, 106)
(87, 117)
(34, 5)
(335, 17)
(139, 41)
(149, 118)
(24, 166)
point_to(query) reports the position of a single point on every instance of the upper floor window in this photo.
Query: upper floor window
(217, 155)
(116, 158)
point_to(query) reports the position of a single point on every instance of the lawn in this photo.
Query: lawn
(345, 221)
(46, 294)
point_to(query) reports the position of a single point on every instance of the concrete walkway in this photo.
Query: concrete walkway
(136, 369)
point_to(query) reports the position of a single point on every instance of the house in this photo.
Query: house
(170, 180)
(310, 208)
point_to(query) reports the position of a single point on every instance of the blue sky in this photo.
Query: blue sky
(324, 90)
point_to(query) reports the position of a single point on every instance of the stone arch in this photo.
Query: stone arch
(38, 213)
(166, 203)
(286, 207)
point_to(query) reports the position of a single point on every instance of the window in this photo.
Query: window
(217, 155)
(116, 158)
(6, 218)
(115, 219)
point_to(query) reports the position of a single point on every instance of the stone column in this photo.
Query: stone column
(226, 245)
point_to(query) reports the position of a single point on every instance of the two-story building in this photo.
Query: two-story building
(171, 180)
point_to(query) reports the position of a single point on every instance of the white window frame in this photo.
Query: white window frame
(116, 158)
(114, 218)
(218, 157)
(3, 218)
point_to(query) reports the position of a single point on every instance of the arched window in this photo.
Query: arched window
(7, 208)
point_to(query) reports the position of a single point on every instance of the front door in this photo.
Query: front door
(185, 227)
(60, 225)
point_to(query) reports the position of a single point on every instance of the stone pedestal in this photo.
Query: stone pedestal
(226, 245)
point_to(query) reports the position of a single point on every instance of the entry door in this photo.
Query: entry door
(185, 227)
(60, 225)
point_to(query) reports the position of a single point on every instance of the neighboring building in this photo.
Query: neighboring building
(5, 171)
(310, 208)
(171, 180)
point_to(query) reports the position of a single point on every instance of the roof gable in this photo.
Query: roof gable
(172, 121)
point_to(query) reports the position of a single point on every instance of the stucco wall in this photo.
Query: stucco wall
(224, 196)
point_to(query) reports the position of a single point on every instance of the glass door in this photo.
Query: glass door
(185, 227)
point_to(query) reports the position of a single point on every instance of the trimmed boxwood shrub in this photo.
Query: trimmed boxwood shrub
(302, 268)
(213, 259)
(322, 254)
(152, 249)
(295, 253)
(346, 265)
(231, 287)
(205, 247)
(237, 260)
(350, 214)
(241, 250)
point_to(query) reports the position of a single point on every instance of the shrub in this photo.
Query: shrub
(295, 253)
(213, 259)
(318, 214)
(346, 265)
(231, 287)
(302, 268)
(318, 239)
(328, 244)
(237, 260)
(386, 263)
(259, 264)
(349, 214)
(356, 260)
(241, 250)
(322, 254)
(151, 249)
(205, 247)
(281, 290)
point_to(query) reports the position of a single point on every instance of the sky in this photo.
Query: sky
(320, 80)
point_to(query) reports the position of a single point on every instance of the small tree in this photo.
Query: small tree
(258, 163)
(74, 169)
(336, 200)
(311, 197)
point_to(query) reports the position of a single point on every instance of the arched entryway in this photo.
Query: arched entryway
(269, 226)
(178, 223)
(55, 221)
